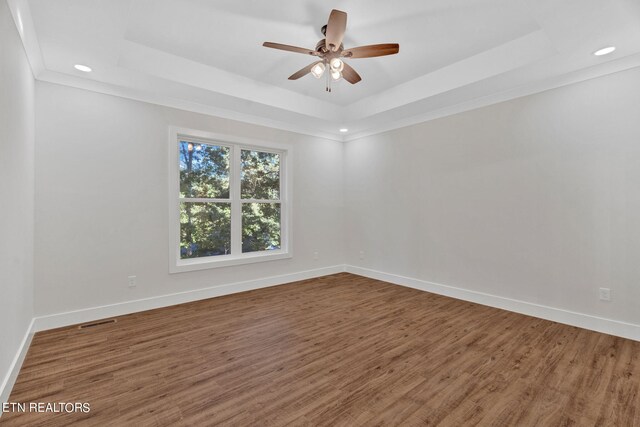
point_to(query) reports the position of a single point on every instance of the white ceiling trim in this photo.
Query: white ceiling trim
(578, 76)
(509, 56)
(24, 23)
(208, 90)
(600, 70)
(175, 68)
(181, 104)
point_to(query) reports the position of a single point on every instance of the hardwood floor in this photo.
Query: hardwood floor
(340, 350)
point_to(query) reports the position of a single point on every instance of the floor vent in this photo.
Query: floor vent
(98, 323)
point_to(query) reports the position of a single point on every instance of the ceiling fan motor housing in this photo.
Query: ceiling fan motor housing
(321, 47)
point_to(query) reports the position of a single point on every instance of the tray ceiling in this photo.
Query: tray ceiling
(207, 56)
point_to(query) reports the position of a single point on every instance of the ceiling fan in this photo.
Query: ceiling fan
(330, 52)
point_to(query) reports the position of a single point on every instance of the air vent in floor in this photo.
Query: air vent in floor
(98, 323)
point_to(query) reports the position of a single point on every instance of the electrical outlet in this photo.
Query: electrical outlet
(132, 281)
(316, 256)
(605, 294)
(361, 254)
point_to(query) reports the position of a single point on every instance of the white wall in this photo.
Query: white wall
(16, 196)
(101, 200)
(535, 199)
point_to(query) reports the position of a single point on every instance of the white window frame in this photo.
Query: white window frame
(236, 144)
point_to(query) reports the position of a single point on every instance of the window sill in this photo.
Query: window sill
(195, 264)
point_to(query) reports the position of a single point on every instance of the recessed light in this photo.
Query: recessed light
(604, 51)
(82, 68)
(343, 130)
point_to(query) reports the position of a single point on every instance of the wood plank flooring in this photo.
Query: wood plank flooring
(340, 350)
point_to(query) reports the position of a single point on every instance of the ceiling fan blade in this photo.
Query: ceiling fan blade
(290, 48)
(350, 75)
(303, 72)
(372, 50)
(335, 29)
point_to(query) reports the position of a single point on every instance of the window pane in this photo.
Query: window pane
(260, 175)
(205, 229)
(260, 227)
(204, 171)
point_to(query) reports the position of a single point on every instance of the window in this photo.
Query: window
(228, 201)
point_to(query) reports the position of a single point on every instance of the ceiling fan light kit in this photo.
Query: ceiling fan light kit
(337, 64)
(318, 69)
(331, 52)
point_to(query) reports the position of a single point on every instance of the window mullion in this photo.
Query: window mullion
(236, 204)
(284, 216)
(261, 201)
(202, 200)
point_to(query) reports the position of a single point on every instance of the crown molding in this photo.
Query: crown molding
(238, 98)
(600, 70)
(181, 104)
(24, 23)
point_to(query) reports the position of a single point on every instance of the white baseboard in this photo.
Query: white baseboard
(95, 313)
(586, 321)
(11, 376)
(581, 320)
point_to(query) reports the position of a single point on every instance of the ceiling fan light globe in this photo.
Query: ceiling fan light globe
(336, 64)
(336, 75)
(318, 70)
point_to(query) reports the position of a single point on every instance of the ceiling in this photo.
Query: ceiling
(206, 56)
